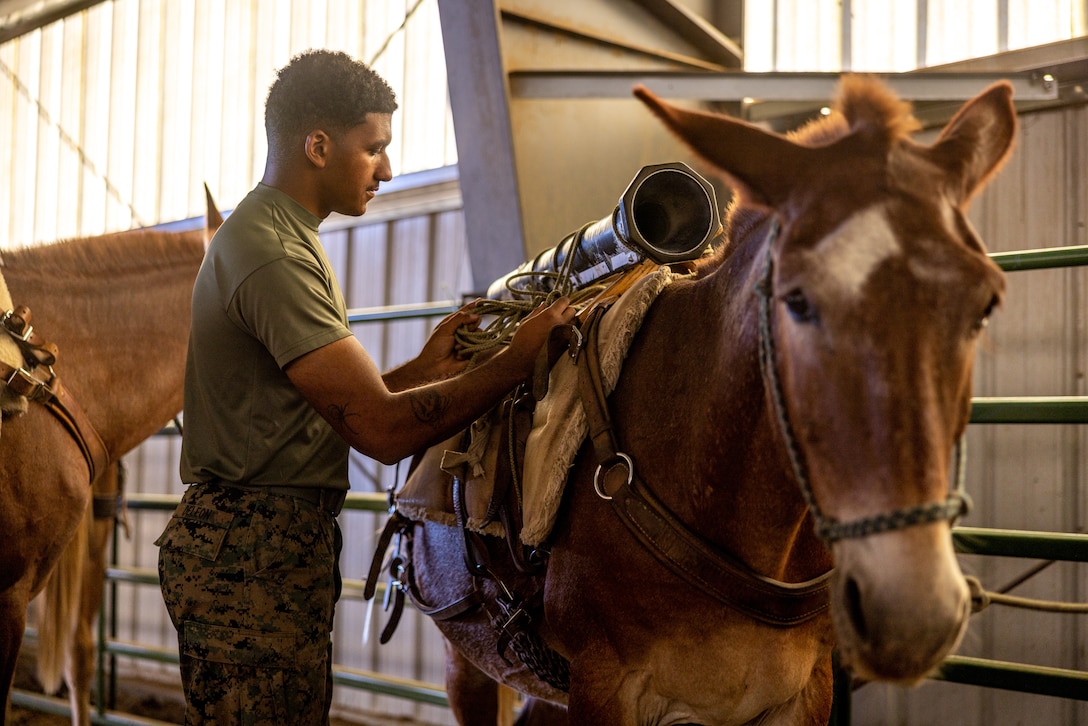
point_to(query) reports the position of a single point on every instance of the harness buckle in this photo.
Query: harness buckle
(17, 325)
(576, 341)
(25, 383)
(620, 458)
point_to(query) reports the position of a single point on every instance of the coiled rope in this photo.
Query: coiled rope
(543, 288)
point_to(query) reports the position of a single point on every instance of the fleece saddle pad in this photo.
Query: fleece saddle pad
(560, 425)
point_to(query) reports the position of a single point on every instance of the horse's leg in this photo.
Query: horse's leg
(81, 660)
(13, 605)
(474, 697)
(57, 608)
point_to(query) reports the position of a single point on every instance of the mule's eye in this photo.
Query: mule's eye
(799, 307)
(984, 319)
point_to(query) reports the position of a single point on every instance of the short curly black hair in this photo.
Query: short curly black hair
(323, 88)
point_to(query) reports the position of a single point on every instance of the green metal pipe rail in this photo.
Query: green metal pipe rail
(1059, 682)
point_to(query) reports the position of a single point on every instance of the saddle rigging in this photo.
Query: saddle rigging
(27, 380)
(514, 614)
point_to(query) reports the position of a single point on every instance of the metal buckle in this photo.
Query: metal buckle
(28, 329)
(37, 385)
(623, 459)
(576, 341)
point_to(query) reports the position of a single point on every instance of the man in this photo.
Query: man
(277, 389)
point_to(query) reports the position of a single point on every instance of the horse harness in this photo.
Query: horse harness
(26, 380)
(707, 567)
(512, 611)
(713, 571)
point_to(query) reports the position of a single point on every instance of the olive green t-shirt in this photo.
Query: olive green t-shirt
(265, 295)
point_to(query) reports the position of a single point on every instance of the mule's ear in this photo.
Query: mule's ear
(977, 141)
(763, 167)
(213, 220)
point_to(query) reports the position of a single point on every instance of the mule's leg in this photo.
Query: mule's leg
(810, 707)
(541, 713)
(474, 697)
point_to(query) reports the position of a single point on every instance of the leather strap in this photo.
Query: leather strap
(48, 391)
(71, 414)
(401, 580)
(715, 572)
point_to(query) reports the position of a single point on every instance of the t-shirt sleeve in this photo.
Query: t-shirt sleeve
(287, 304)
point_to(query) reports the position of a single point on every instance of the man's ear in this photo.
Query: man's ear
(318, 146)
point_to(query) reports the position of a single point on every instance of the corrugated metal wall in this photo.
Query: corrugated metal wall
(116, 116)
(1023, 476)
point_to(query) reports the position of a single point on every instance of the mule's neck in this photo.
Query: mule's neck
(725, 439)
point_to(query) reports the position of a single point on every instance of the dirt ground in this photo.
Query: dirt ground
(147, 700)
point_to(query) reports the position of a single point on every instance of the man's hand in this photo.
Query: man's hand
(533, 332)
(441, 354)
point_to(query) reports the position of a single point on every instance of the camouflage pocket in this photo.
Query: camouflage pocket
(196, 530)
(239, 646)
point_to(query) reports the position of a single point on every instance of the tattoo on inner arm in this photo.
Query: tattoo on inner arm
(341, 418)
(429, 407)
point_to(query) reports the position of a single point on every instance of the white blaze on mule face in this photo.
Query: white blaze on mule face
(853, 251)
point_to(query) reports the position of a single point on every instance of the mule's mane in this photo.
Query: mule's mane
(863, 104)
(120, 253)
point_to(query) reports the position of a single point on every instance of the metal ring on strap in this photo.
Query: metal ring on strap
(624, 459)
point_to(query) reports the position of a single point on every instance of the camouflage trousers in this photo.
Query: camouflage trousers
(250, 580)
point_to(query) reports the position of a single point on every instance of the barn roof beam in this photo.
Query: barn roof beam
(600, 39)
(19, 17)
(778, 86)
(479, 100)
(696, 30)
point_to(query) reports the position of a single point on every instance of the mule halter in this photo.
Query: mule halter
(828, 528)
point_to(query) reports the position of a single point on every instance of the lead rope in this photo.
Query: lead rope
(829, 529)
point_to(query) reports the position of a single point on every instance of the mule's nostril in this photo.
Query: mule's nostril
(852, 601)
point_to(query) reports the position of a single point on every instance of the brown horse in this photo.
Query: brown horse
(792, 406)
(117, 307)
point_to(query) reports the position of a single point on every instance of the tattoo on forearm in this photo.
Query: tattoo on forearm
(429, 407)
(341, 418)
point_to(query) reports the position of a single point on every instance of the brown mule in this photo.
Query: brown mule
(795, 404)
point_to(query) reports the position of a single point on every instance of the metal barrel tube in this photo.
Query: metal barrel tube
(668, 213)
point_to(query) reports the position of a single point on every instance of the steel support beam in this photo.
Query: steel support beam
(774, 86)
(697, 31)
(485, 148)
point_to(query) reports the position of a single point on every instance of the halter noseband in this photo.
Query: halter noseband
(829, 529)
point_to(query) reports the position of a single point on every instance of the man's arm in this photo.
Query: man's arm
(342, 382)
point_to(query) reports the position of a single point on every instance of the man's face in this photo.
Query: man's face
(358, 163)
